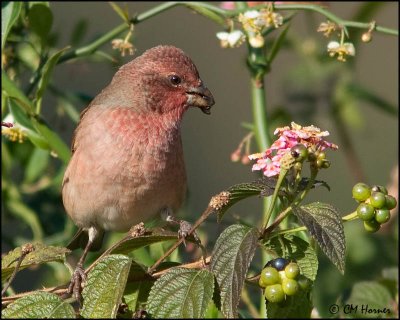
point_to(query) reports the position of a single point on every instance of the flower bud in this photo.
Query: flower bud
(366, 37)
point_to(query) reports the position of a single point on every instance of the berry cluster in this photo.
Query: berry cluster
(281, 278)
(375, 205)
(317, 157)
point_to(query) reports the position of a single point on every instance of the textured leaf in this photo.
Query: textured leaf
(230, 261)
(317, 183)
(104, 287)
(39, 305)
(263, 187)
(325, 226)
(9, 14)
(291, 247)
(41, 254)
(370, 295)
(136, 294)
(294, 307)
(181, 293)
(40, 20)
(131, 243)
(46, 74)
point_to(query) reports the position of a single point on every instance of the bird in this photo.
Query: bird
(127, 163)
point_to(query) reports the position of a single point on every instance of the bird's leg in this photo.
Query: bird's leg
(79, 275)
(184, 226)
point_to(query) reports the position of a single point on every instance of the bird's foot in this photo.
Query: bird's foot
(77, 280)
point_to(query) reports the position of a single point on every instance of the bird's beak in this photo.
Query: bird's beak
(200, 97)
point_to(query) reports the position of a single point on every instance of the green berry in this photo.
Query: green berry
(382, 215)
(361, 192)
(282, 275)
(274, 293)
(391, 202)
(377, 188)
(292, 270)
(326, 164)
(377, 200)
(372, 225)
(321, 156)
(298, 166)
(299, 152)
(304, 283)
(320, 163)
(290, 287)
(365, 211)
(269, 275)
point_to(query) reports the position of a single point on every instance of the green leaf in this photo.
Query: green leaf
(41, 254)
(207, 13)
(230, 261)
(21, 117)
(26, 214)
(9, 14)
(370, 295)
(276, 46)
(37, 163)
(263, 187)
(78, 32)
(325, 225)
(39, 305)
(54, 140)
(294, 307)
(12, 91)
(136, 294)
(46, 75)
(181, 293)
(104, 287)
(130, 243)
(123, 13)
(40, 20)
(365, 94)
(291, 247)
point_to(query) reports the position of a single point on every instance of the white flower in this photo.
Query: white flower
(231, 39)
(342, 50)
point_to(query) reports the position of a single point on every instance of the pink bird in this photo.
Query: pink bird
(127, 164)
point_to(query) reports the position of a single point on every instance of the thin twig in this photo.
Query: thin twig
(202, 218)
(28, 248)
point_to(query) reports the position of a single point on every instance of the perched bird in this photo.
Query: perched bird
(127, 162)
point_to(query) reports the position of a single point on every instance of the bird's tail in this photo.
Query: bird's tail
(81, 239)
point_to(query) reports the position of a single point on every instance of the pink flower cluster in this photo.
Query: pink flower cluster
(310, 136)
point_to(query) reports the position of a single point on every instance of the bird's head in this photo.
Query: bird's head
(168, 81)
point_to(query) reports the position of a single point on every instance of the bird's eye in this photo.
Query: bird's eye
(174, 79)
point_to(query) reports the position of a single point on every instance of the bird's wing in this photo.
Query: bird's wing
(73, 146)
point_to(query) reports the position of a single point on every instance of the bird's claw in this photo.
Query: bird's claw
(77, 280)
